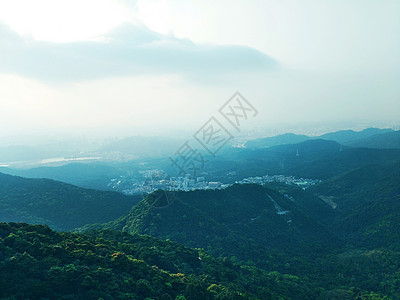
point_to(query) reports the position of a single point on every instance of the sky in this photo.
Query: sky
(165, 67)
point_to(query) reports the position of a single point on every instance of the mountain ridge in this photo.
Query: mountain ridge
(60, 205)
(344, 137)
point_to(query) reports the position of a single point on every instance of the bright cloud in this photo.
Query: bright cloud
(169, 64)
(62, 21)
(126, 51)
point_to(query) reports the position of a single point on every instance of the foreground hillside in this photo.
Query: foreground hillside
(59, 205)
(38, 263)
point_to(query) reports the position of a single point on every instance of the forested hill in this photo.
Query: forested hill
(389, 140)
(244, 220)
(38, 263)
(367, 202)
(59, 205)
(362, 138)
(319, 159)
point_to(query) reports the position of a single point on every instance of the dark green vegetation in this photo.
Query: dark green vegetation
(62, 206)
(245, 221)
(368, 205)
(37, 263)
(242, 225)
(335, 240)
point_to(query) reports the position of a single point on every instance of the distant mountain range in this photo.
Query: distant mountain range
(139, 147)
(348, 136)
(388, 140)
(369, 138)
(316, 158)
(283, 139)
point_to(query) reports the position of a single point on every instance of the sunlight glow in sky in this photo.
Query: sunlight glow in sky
(62, 21)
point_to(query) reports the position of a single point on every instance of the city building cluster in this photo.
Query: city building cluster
(152, 180)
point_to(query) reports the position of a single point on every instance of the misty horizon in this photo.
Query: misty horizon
(147, 68)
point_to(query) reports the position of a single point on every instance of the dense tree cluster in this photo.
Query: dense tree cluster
(38, 263)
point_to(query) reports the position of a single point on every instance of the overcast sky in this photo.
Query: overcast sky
(155, 67)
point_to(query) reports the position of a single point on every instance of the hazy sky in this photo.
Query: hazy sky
(158, 66)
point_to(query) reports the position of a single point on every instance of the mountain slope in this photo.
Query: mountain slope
(227, 221)
(281, 234)
(87, 175)
(319, 159)
(346, 137)
(60, 205)
(389, 140)
(38, 263)
(368, 204)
